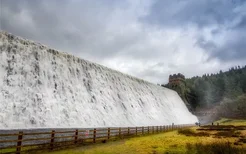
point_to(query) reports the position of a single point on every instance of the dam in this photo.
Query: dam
(44, 88)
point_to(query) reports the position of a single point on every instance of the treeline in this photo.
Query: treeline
(224, 89)
(214, 88)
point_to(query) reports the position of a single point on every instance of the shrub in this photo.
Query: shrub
(187, 132)
(190, 132)
(231, 133)
(215, 148)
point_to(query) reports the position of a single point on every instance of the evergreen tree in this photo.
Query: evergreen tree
(212, 89)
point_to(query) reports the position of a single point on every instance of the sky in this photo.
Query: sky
(148, 39)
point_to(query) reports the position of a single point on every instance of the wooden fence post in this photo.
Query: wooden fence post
(94, 135)
(52, 139)
(76, 136)
(119, 132)
(76, 139)
(19, 143)
(108, 133)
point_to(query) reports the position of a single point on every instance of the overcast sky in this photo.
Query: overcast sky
(149, 39)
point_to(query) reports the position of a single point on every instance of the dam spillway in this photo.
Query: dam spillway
(42, 88)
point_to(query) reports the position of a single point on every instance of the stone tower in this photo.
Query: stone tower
(176, 80)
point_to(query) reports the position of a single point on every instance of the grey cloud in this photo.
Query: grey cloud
(235, 50)
(146, 36)
(241, 25)
(207, 45)
(65, 25)
(80, 27)
(172, 66)
(232, 49)
(156, 76)
(204, 14)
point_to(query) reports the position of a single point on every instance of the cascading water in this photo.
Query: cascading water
(41, 87)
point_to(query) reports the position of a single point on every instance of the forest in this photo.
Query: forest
(225, 90)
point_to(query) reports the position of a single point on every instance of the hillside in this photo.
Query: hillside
(41, 87)
(223, 93)
(214, 88)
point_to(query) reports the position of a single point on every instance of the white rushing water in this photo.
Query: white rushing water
(41, 87)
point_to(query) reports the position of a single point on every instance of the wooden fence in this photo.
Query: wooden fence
(27, 141)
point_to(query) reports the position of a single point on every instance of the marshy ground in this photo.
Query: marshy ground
(227, 138)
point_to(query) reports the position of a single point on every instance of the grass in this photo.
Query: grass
(230, 133)
(170, 142)
(192, 132)
(13, 150)
(7, 150)
(235, 122)
(165, 142)
(215, 148)
(185, 141)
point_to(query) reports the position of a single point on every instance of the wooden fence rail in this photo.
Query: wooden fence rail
(35, 140)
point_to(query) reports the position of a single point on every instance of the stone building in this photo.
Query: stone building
(176, 80)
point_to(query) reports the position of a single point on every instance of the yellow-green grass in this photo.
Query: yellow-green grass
(169, 142)
(235, 122)
(7, 150)
(12, 150)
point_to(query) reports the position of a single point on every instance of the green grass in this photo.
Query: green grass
(193, 132)
(12, 150)
(235, 122)
(7, 150)
(170, 142)
(185, 141)
(215, 148)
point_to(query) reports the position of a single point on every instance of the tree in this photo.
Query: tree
(210, 90)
